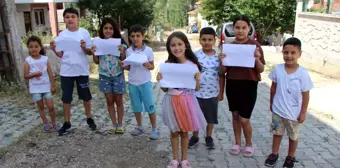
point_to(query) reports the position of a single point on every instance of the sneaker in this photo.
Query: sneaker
(193, 141)
(47, 127)
(120, 130)
(185, 164)
(154, 135)
(289, 162)
(64, 128)
(137, 131)
(271, 160)
(91, 124)
(173, 164)
(56, 126)
(210, 142)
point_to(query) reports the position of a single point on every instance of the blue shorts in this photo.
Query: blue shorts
(142, 95)
(39, 96)
(114, 85)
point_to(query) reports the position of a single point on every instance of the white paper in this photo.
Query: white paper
(178, 75)
(239, 55)
(67, 44)
(135, 59)
(107, 46)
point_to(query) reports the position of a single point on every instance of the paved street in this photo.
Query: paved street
(319, 144)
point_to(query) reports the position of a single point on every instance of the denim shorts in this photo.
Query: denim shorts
(114, 84)
(39, 96)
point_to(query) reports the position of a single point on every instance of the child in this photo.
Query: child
(111, 75)
(208, 95)
(241, 87)
(140, 87)
(74, 68)
(41, 82)
(289, 97)
(180, 109)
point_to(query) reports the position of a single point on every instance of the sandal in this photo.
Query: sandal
(173, 164)
(248, 151)
(235, 150)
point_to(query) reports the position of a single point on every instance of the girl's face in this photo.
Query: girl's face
(34, 48)
(177, 47)
(108, 30)
(241, 29)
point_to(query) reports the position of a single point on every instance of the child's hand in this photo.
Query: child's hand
(53, 90)
(221, 56)
(147, 65)
(52, 45)
(121, 49)
(220, 97)
(37, 74)
(198, 77)
(93, 49)
(83, 44)
(257, 53)
(159, 76)
(120, 63)
(301, 118)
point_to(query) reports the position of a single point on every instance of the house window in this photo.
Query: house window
(39, 16)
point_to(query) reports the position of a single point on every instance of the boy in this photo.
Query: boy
(74, 68)
(210, 92)
(289, 97)
(140, 87)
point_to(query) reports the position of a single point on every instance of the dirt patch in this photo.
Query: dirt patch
(83, 148)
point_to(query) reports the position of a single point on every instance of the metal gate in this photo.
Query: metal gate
(6, 62)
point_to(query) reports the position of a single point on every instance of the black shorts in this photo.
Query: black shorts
(83, 88)
(241, 95)
(209, 108)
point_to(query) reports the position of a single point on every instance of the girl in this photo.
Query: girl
(111, 75)
(38, 71)
(241, 87)
(180, 109)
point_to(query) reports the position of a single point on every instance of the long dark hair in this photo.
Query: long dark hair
(188, 52)
(116, 31)
(38, 40)
(241, 18)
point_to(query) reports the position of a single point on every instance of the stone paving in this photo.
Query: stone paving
(319, 144)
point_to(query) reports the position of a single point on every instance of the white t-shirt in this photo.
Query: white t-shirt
(288, 97)
(74, 63)
(42, 83)
(209, 75)
(139, 75)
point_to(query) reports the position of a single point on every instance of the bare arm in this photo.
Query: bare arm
(223, 71)
(95, 59)
(259, 66)
(198, 86)
(305, 102)
(272, 94)
(50, 76)
(27, 70)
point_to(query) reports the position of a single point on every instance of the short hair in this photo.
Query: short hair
(293, 41)
(241, 18)
(71, 10)
(136, 29)
(208, 31)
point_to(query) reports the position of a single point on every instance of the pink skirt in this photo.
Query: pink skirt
(181, 111)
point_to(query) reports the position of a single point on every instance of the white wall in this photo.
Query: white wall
(47, 20)
(21, 8)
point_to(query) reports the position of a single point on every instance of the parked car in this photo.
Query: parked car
(226, 32)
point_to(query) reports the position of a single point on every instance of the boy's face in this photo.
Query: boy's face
(291, 54)
(71, 20)
(136, 38)
(207, 41)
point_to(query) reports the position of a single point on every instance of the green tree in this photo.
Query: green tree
(268, 16)
(126, 12)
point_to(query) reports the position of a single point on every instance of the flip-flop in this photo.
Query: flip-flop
(235, 150)
(248, 151)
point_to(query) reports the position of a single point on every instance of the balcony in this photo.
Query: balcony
(42, 1)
